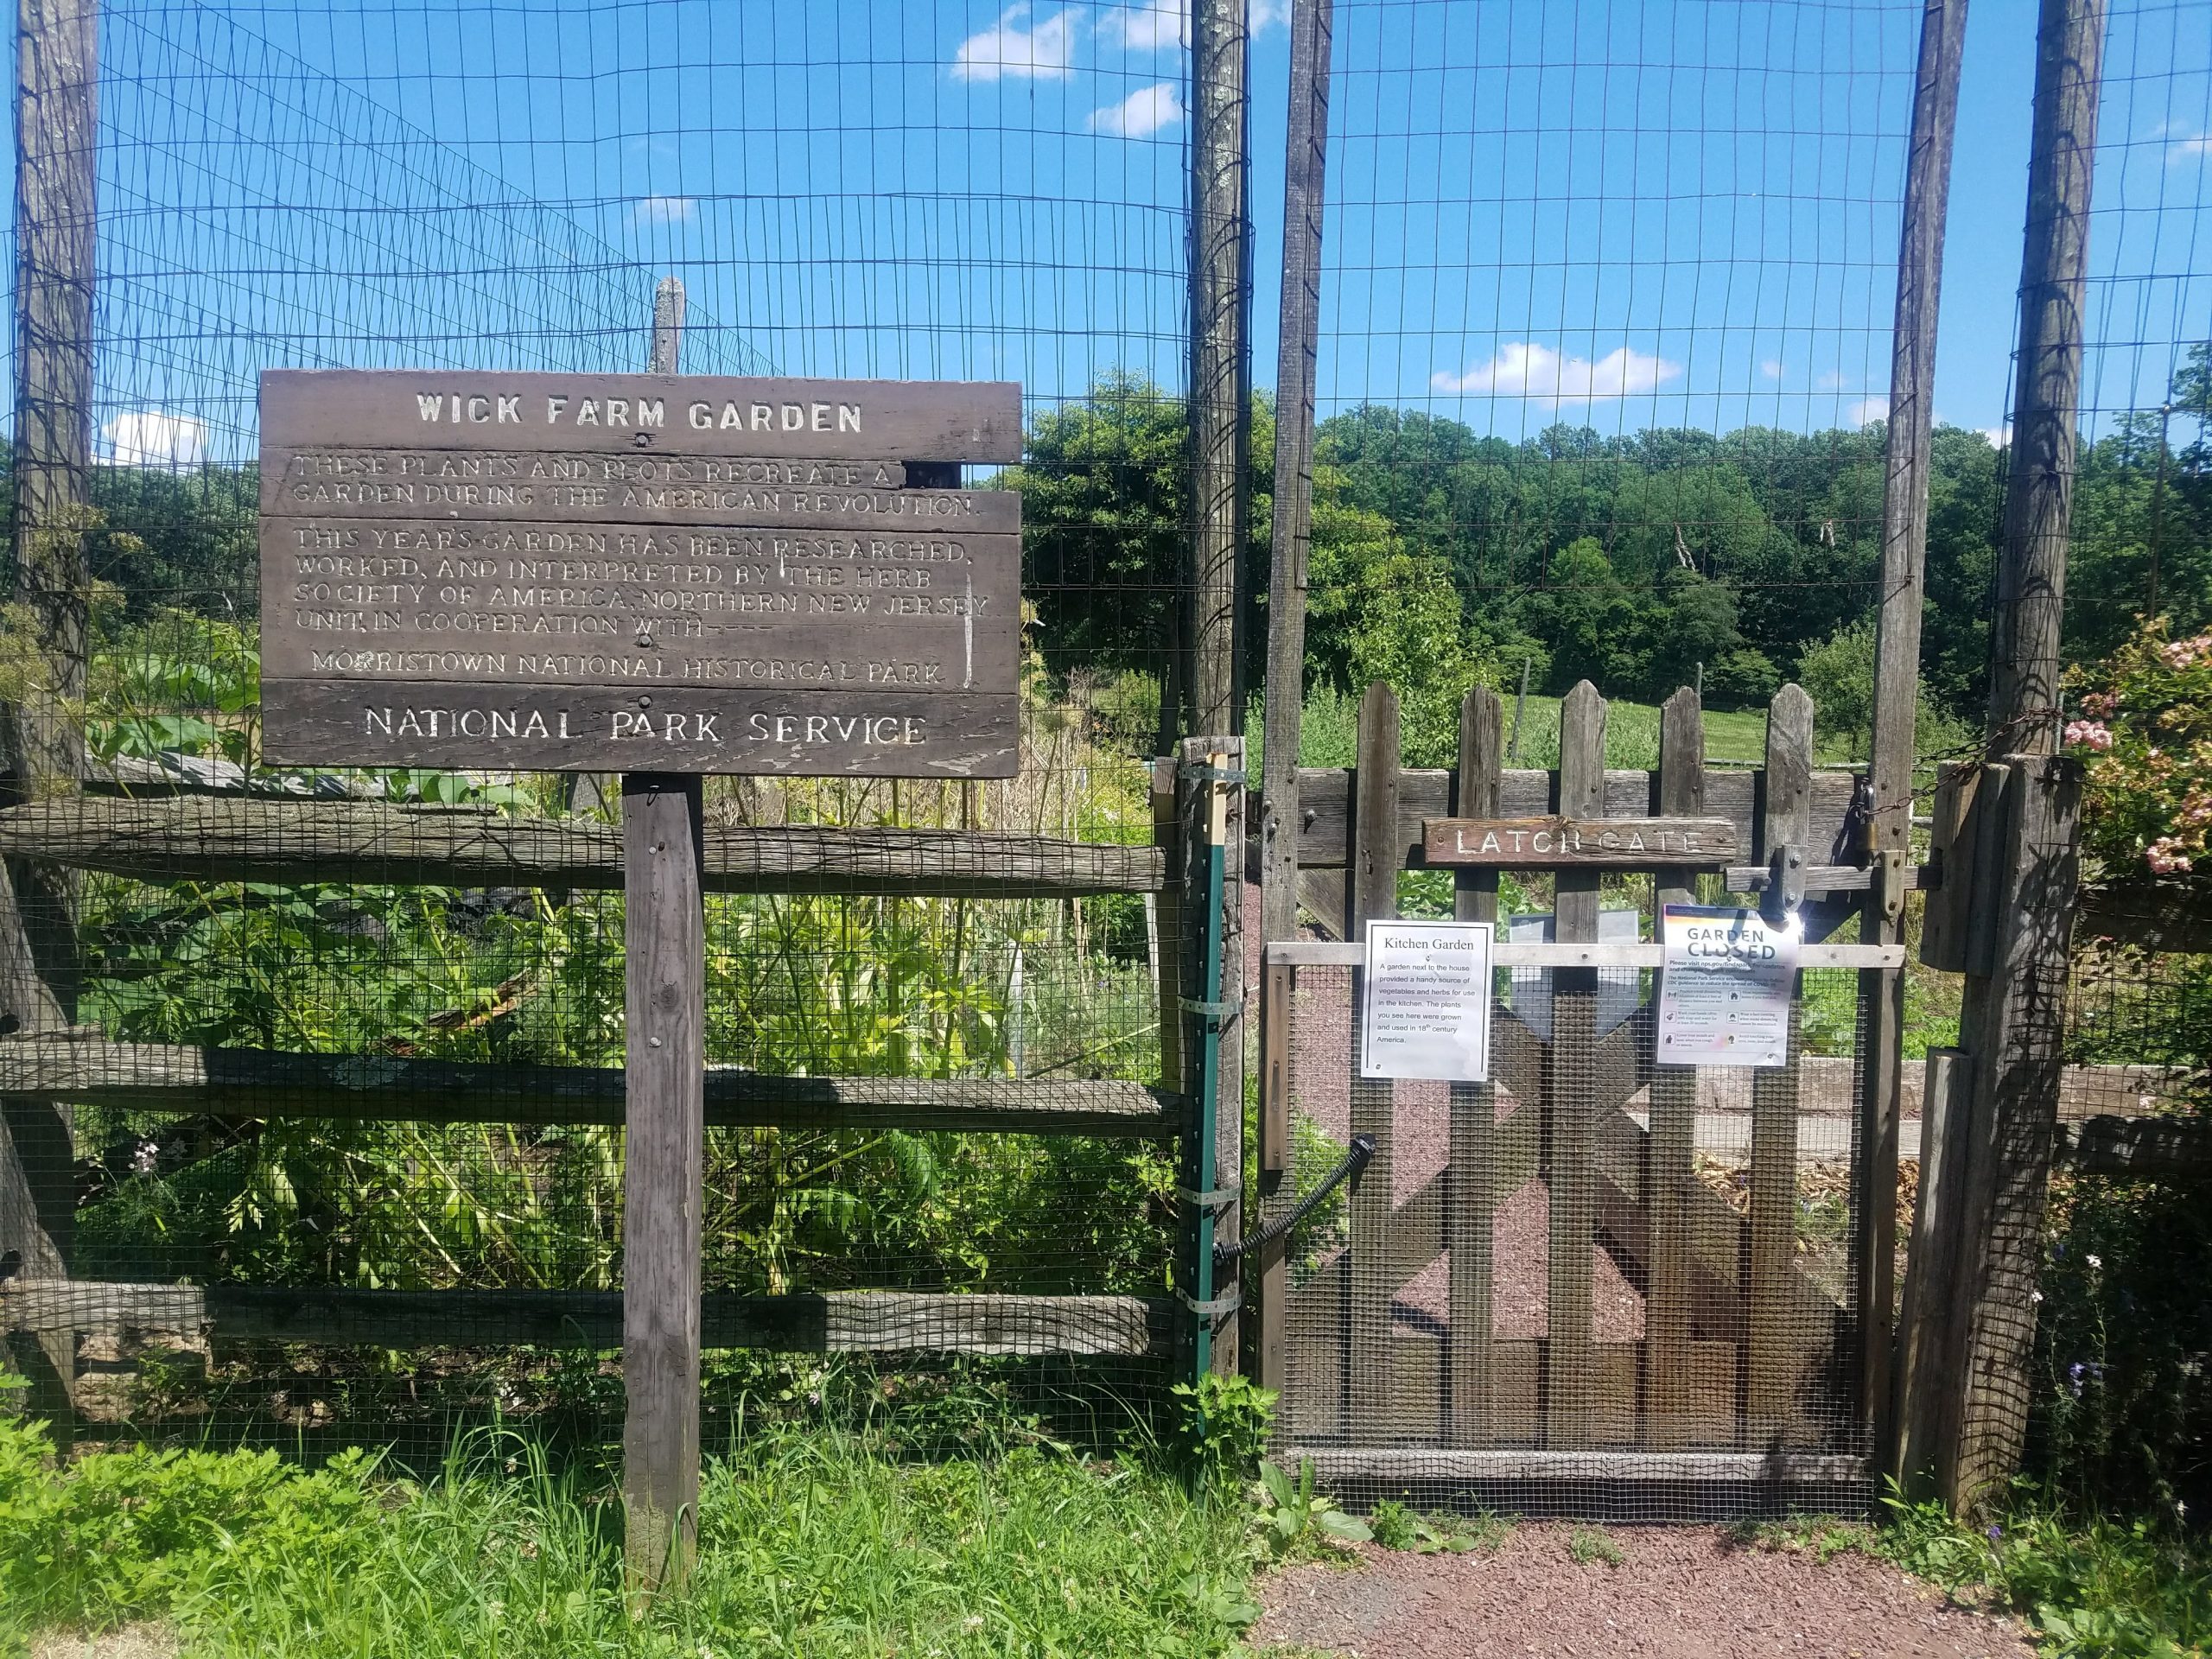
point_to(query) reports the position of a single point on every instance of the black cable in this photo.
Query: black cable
(1362, 1149)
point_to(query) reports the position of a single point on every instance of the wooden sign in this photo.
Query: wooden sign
(1614, 843)
(636, 573)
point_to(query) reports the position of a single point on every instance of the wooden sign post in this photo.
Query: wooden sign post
(666, 577)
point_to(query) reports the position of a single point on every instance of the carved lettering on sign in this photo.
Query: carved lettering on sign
(441, 555)
(1624, 843)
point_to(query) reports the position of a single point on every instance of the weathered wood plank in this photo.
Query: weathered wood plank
(2137, 1148)
(801, 732)
(1306, 158)
(2014, 1024)
(1774, 1345)
(1324, 805)
(1419, 1467)
(1472, 1170)
(841, 1322)
(198, 839)
(1930, 1334)
(1569, 1098)
(1376, 857)
(699, 415)
(1556, 842)
(1678, 788)
(663, 1169)
(2164, 916)
(256, 1083)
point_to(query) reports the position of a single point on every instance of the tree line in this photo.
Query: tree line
(1441, 555)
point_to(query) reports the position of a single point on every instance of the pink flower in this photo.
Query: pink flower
(2165, 857)
(2098, 705)
(2094, 732)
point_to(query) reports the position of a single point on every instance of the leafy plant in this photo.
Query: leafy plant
(1223, 1422)
(1397, 1527)
(1295, 1520)
(1590, 1545)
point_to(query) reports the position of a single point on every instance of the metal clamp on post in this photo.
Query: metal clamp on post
(1216, 1015)
(1215, 1201)
(1214, 1307)
(1218, 774)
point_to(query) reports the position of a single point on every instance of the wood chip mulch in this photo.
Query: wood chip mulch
(1679, 1593)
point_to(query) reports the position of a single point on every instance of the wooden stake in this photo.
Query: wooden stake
(665, 1067)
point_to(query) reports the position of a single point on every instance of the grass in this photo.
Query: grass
(812, 1540)
(2086, 1589)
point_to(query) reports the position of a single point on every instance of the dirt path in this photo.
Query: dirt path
(1679, 1593)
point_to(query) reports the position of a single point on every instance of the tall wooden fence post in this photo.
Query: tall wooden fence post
(665, 1067)
(1896, 675)
(1304, 187)
(2047, 375)
(57, 82)
(1220, 366)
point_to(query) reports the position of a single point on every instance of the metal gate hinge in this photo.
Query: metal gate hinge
(1216, 774)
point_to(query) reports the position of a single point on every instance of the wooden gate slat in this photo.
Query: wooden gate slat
(1377, 855)
(1472, 1169)
(1775, 1341)
(1669, 1380)
(1569, 1392)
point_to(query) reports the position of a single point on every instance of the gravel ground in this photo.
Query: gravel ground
(1679, 1592)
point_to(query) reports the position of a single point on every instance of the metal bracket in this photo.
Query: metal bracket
(1205, 774)
(1785, 892)
(1220, 1198)
(1219, 1307)
(1218, 1013)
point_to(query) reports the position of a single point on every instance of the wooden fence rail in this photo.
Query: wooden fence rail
(256, 1083)
(841, 1322)
(187, 838)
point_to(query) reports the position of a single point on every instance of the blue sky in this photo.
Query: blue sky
(1629, 212)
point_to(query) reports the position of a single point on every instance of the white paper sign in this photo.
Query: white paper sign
(1724, 999)
(1426, 1010)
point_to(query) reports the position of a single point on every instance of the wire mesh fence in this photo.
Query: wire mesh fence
(1542, 1286)
(320, 185)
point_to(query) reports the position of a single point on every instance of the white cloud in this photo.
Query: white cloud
(1771, 368)
(2188, 147)
(1998, 436)
(1044, 52)
(1525, 369)
(1265, 13)
(1142, 113)
(1870, 408)
(1149, 27)
(1829, 381)
(152, 437)
(664, 210)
